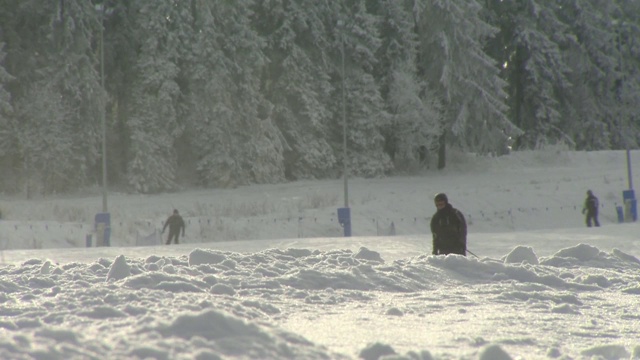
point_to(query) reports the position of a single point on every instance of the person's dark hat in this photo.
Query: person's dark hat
(175, 211)
(441, 197)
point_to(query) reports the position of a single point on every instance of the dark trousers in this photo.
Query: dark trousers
(173, 236)
(592, 216)
(459, 251)
(447, 248)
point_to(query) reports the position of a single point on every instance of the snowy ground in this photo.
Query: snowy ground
(289, 286)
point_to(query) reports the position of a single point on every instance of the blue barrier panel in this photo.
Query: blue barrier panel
(344, 218)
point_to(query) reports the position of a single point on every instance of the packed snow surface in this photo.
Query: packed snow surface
(263, 272)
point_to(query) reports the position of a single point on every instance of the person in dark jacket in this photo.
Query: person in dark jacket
(449, 228)
(175, 224)
(591, 208)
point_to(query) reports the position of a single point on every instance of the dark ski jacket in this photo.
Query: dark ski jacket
(591, 204)
(175, 223)
(449, 230)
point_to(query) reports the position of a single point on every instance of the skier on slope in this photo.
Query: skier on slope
(591, 208)
(175, 224)
(449, 228)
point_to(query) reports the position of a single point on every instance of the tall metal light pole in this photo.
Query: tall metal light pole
(344, 127)
(344, 214)
(628, 196)
(100, 9)
(102, 223)
(622, 102)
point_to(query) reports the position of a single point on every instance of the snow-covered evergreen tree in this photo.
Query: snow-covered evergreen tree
(415, 117)
(561, 59)
(223, 93)
(590, 52)
(626, 26)
(356, 38)
(209, 107)
(201, 107)
(76, 72)
(541, 74)
(122, 44)
(295, 82)
(5, 98)
(234, 138)
(7, 139)
(153, 125)
(630, 66)
(52, 56)
(261, 151)
(452, 54)
(45, 139)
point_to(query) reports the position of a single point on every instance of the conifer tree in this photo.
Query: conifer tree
(535, 69)
(53, 58)
(153, 125)
(5, 97)
(234, 139)
(356, 40)
(7, 139)
(591, 53)
(208, 106)
(46, 141)
(415, 117)
(296, 83)
(257, 148)
(452, 53)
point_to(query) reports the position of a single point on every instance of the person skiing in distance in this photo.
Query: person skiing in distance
(449, 228)
(175, 224)
(591, 208)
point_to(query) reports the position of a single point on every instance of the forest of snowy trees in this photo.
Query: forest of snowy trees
(221, 93)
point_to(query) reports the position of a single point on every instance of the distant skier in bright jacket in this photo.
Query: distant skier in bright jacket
(591, 208)
(449, 228)
(175, 224)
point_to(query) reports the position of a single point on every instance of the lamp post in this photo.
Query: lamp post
(344, 127)
(100, 9)
(102, 223)
(628, 196)
(621, 95)
(344, 214)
